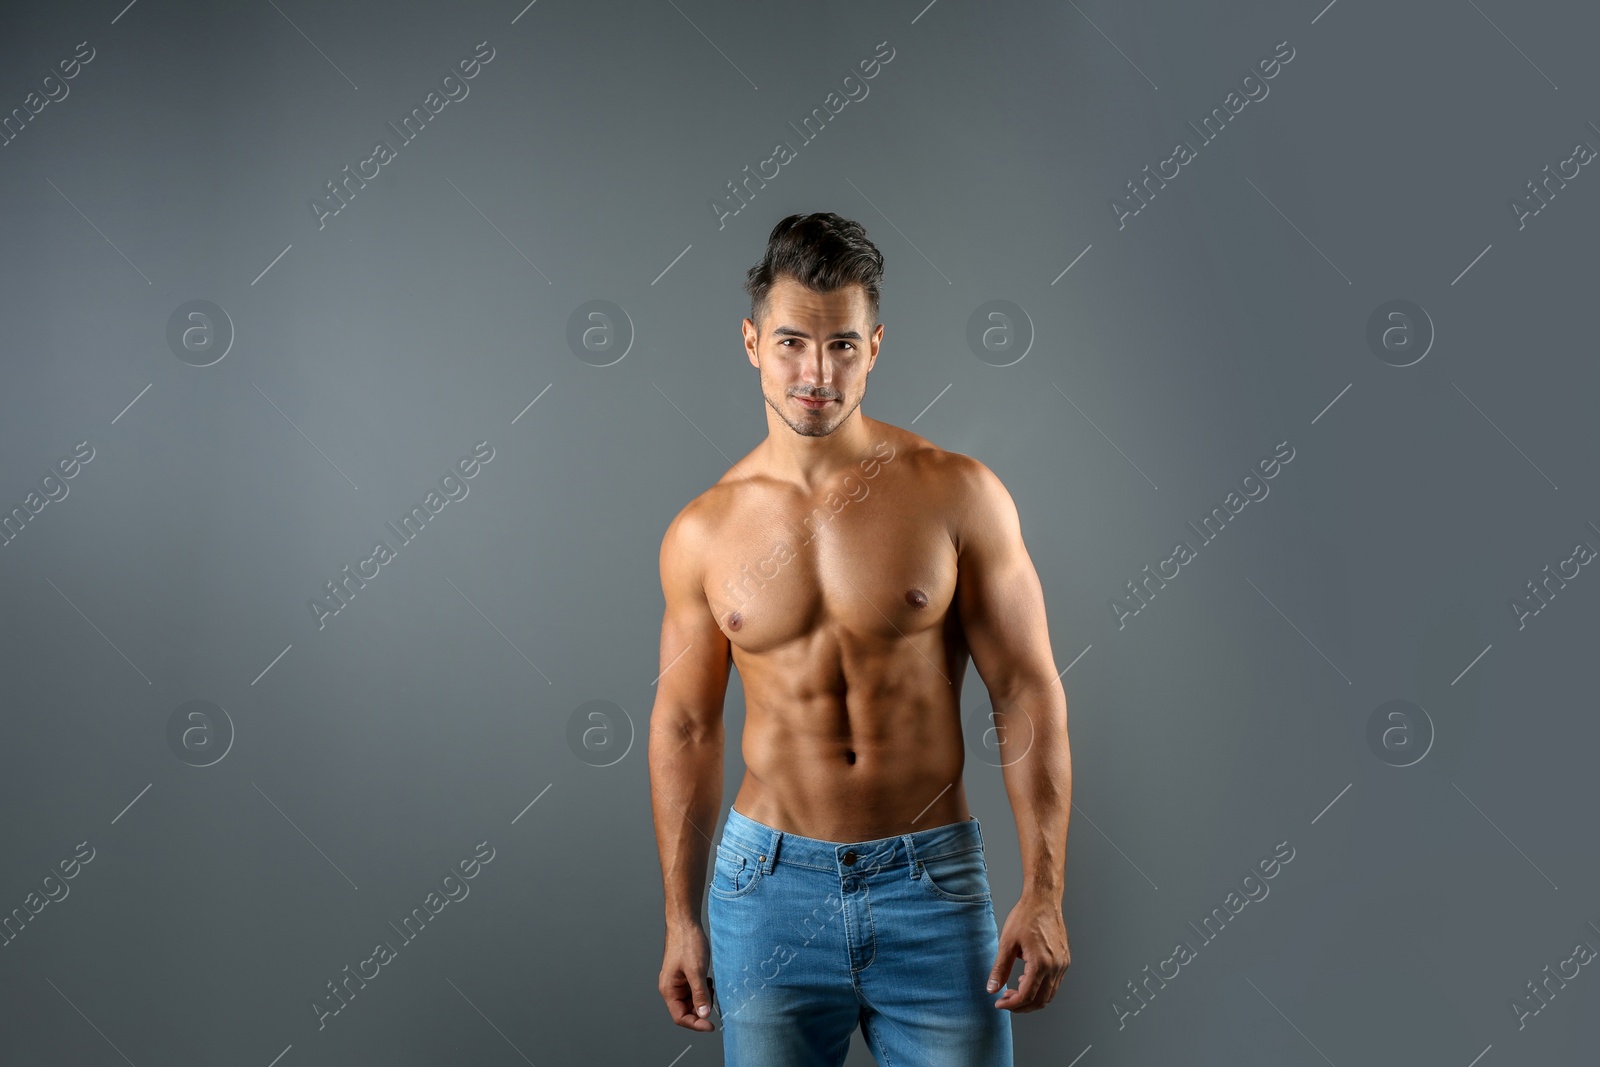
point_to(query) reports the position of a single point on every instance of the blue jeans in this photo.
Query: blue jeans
(810, 938)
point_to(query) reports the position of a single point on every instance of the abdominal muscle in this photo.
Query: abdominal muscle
(853, 769)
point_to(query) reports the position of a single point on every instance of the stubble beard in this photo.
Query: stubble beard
(809, 428)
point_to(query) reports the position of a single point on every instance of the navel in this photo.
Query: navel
(735, 620)
(917, 598)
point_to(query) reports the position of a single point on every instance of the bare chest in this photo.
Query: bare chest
(784, 570)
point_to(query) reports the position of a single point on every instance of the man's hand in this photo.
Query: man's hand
(683, 984)
(1036, 933)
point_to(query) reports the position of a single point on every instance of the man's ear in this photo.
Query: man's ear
(752, 337)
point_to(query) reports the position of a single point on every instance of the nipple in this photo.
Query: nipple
(735, 620)
(917, 598)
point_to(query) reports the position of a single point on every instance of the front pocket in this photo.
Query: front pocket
(734, 874)
(962, 877)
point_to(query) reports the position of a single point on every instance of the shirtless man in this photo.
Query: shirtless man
(848, 568)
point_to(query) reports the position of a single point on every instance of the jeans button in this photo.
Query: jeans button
(848, 858)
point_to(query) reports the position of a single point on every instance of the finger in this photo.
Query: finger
(1051, 987)
(1049, 979)
(1000, 973)
(1021, 998)
(680, 1005)
(687, 1019)
(702, 995)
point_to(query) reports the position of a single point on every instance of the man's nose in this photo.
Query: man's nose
(818, 372)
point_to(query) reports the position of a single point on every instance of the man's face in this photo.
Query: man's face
(815, 346)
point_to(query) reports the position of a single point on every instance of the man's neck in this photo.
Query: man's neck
(811, 461)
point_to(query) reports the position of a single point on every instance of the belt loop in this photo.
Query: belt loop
(771, 858)
(913, 865)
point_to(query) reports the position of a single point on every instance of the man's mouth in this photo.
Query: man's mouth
(814, 403)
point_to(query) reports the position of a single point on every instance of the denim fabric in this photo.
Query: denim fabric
(810, 939)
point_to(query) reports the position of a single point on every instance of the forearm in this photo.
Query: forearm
(1036, 761)
(685, 795)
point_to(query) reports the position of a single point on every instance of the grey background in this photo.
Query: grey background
(367, 757)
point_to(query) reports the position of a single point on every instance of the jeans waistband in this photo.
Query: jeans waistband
(768, 846)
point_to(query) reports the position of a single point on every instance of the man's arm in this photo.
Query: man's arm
(1002, 610)
(686, 765)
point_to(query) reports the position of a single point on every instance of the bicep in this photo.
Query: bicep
(998, 592)
(694, 652)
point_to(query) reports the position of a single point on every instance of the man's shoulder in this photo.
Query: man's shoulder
(694, 522)
(956, 476)
(973, 500)
(695, 526)
(956, 487)
(939, 466)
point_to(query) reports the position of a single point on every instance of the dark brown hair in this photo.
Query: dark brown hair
(821, 251)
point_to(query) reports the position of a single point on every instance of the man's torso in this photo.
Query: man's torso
(839, 606)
